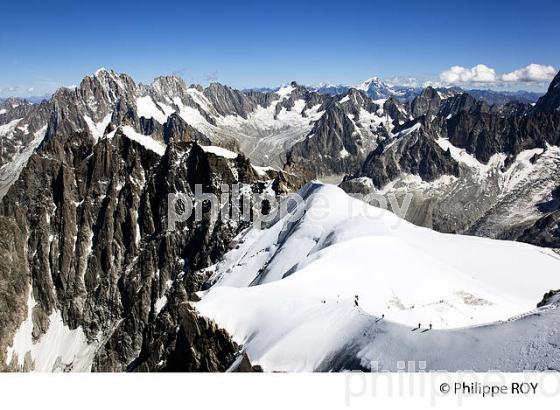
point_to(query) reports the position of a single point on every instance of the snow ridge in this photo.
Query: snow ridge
(288, 292)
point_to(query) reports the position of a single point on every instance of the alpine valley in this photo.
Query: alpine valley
(462, 271)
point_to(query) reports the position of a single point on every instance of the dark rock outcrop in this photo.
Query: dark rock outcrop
(485, 134)
(426, 104)
(180, 340)
(177, 129)
(413, 151)
(552, 296)
(245, 365)
(550, 102)
(543, 232)
(332, 146)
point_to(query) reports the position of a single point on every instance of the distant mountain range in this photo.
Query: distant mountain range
(377, 89)
(33, 99)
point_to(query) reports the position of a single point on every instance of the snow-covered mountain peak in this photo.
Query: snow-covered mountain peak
(376, 89)
(364, 86)
(341, 248)
(105, 75)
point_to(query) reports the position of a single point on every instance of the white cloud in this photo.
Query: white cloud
(478, 74)
(30, 89)
(533, 73)
(482, 74)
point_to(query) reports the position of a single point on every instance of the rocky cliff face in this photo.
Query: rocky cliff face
(89, 248)
(412, 150)
(14, 282)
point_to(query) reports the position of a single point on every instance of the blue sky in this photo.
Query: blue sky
(44, 45)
